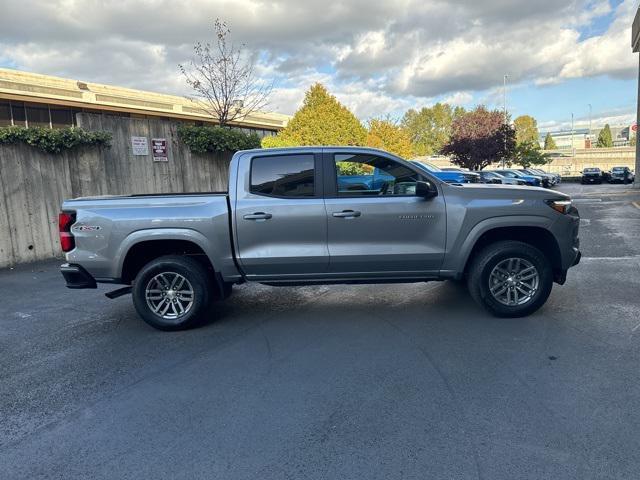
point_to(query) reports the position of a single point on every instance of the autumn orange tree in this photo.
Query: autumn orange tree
(322, 120)
(386, 135)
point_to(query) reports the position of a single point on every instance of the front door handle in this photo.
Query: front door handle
(258, 216)
(347, 214)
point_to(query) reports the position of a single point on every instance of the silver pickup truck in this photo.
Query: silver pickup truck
(314, 215)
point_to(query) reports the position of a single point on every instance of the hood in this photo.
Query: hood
(514, 191)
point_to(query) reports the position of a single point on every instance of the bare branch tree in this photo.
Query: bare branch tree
(223, 78)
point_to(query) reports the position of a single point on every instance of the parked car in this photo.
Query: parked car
(488, 176)
(557, 178)
(286, 220)
(449, 176)
(591, 175)
(622, 175)
(531, 180)
(548, 180)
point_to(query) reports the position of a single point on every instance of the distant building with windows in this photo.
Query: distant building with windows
(29, 99)
(584, 138)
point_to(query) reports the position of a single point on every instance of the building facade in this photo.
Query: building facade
(28, 99)
(584, 138)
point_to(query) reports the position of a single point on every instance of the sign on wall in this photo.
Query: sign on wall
(139, 146)
(159, 147)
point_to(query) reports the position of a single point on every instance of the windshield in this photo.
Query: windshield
(617, 169)
(426, 166)
(591, 170)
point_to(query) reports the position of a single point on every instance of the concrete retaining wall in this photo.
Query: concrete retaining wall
(33, 184)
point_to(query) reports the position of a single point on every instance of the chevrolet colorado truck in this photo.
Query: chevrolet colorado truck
(291, 218)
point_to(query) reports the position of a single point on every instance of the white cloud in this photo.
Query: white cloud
(459, 98)
(376, 56)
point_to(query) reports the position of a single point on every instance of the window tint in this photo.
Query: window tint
(19, 114)
(370, 175)
(38, 116)
(5, 114)
(61, 117)
(283, 176)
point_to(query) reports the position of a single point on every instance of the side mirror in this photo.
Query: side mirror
(426, 189)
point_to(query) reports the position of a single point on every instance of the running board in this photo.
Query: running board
(118, 293)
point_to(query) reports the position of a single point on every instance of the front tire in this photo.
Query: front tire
(510, 279)
(173, 292)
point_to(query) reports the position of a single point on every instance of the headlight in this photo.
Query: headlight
(561, 206)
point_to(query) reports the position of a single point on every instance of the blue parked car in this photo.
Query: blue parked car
(449, 176)
(376, 180)
(373, 182)
(531, 180)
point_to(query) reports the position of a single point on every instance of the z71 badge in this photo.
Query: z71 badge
(87, 228)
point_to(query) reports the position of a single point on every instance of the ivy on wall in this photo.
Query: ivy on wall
(216, 139)
(53, 140)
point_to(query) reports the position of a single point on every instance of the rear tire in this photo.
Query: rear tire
(510, 265)
(173, 292)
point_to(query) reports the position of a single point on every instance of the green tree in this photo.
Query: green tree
(529, 153)
(388, 136)
(321, 120)
(430, 127)
(526, 129)
(479, 138)
(549, 143)
(604, 138)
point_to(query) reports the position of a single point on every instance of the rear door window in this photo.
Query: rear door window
(283, 176)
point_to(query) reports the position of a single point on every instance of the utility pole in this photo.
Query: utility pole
(589, 135)
(504, 98)
(573, 150)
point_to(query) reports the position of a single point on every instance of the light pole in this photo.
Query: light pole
(573, 150)
(504, 98)
(589, 135)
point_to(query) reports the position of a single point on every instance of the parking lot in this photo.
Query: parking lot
(333, 382)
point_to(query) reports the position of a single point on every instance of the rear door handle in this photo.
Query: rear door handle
(347, 214)
(258, 216)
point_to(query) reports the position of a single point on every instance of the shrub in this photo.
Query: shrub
(53, 140)
(216, 139)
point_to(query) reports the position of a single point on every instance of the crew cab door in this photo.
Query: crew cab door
(280, 217)
(382, 228)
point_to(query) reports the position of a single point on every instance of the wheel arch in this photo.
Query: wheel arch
(143, 246)
(534, 235)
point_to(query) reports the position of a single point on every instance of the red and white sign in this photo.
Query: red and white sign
(634, 127)
(159, 149)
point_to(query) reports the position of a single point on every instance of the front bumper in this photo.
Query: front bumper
(578, 257)
(77, 277)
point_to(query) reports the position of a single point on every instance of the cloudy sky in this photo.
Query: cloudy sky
(379, 57)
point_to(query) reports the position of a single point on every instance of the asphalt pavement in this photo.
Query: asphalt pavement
(409, 381)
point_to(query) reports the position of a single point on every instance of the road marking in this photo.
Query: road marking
(636, 204)
(586, 200)
(607, 194)
(608, 259)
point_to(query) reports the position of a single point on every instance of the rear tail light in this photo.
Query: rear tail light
(65, 220)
